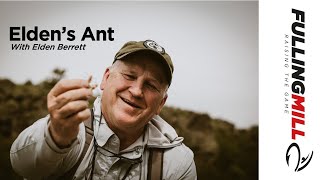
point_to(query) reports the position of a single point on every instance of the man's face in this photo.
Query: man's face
(134, 90)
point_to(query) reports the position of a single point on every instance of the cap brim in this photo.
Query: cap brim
(149, 50)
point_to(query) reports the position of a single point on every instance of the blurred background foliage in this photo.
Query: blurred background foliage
(221, 150)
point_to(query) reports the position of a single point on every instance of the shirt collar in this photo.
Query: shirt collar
(103, 134)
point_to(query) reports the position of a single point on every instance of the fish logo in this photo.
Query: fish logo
(154, 46)
(302, 162)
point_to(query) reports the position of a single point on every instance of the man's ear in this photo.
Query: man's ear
(163, 101)
(104, 79)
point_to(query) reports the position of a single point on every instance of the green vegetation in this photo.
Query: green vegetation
(221, 151)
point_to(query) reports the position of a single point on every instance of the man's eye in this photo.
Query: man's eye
(153, 87)
(128, 77)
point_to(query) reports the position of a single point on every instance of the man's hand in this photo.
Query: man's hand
(68, 107)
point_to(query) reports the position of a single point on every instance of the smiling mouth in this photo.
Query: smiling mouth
(130, 103)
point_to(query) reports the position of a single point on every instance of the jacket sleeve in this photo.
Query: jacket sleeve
(190, 172)
(187, 167)
(34, 155)
(179, 164)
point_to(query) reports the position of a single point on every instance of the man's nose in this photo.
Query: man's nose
(136, 90)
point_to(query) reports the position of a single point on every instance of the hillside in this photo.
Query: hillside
(221, 151)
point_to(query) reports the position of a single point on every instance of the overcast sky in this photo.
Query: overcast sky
(213, 45)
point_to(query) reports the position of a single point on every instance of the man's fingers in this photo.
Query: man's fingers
(72, 107)
(66, 85)
(55, 103)
(72, 95)
(68, 107)
(80, 116)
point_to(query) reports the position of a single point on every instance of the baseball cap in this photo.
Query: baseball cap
(147, 45)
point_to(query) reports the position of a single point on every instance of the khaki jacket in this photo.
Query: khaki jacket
(34, 155)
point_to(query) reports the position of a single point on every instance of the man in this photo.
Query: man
(129, 137)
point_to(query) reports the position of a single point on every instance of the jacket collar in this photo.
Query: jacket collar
(158, 133)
